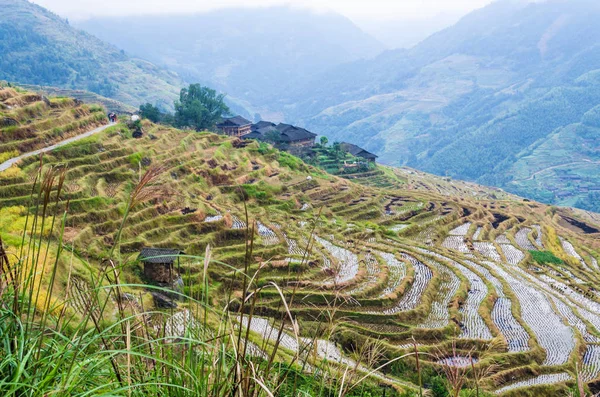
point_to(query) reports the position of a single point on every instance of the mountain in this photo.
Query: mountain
(482, 100)
(38, 47)
(253, 54)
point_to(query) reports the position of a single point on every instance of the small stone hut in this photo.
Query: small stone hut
(159, 264)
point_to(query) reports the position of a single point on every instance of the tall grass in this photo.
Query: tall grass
(91, 338)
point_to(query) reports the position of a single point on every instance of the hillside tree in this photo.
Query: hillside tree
(150, 112)
(199, 107)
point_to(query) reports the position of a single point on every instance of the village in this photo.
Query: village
(339, 158)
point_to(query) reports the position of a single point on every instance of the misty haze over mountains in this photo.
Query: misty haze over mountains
(392, 33)
(254, 55)
(408, 32)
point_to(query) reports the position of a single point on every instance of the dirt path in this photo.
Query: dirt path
(9, 163)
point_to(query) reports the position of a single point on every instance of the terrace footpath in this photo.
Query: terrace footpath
(9, 163)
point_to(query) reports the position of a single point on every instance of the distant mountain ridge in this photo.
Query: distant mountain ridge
(38, 47)
(255, 55)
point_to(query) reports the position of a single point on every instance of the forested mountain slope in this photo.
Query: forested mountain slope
(39, 47)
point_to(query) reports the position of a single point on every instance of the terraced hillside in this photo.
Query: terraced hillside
(469, 277)
(31, 121)
(110, 105)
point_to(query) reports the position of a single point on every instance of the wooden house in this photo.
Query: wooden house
(287, 135)
(295, 136)
(357, 151)
(235, 126)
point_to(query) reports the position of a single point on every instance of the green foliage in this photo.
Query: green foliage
(94, 108)
(261, 192)
(287, 160)
(438, 388)
(287, 206)
(545, 257)
(8, 155)
(301, 384)
(104, 87)
(151, 112)
(336, 161)
(199, 108)
(265, 148)
(273, 137)
(227, 145)
(590, 202)
(135, 158)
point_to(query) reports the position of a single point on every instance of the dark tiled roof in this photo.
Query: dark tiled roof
(357, 151)
(289, 133)
(253, 135)
(260, 133)
(262, 124)
(265, 130)
(284, 127)
(237, 121)
(158, 255)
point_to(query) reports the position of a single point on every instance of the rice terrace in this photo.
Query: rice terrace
(182, 262)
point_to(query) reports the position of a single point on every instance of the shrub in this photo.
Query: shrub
(135, 158)
(287, 160)
(264, 148)
(11, 173)
(226, 145)
(545, 257)
(8, 155)
(96, 108)
(252, 191)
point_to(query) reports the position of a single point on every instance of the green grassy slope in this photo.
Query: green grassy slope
(29, 121)
(111, 105)
(563, 168)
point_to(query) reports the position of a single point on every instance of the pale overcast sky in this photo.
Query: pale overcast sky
(358, 10)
